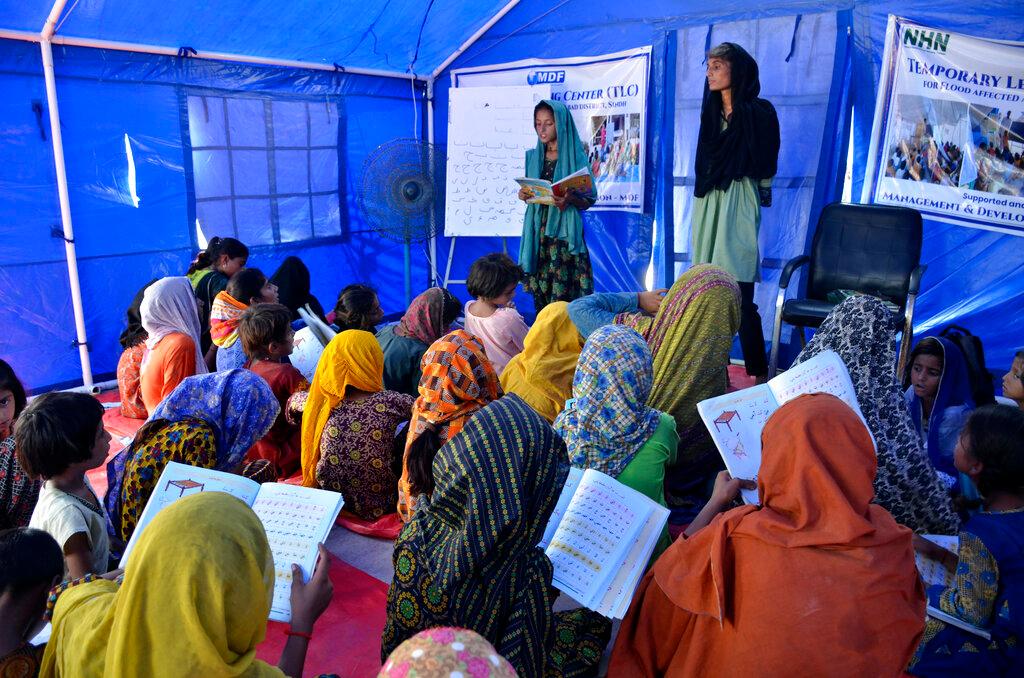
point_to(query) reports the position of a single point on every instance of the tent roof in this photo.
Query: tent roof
(377, 34)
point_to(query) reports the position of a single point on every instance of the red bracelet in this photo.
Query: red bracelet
(300, 634)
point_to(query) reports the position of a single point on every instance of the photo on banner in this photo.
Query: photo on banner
(948, 136)
(607, 96)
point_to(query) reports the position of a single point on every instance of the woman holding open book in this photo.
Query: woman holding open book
(552, 251)
(469, 557)
(609, 426)
(690, 337)
(210, 420)
(194, 602)
(816, 581)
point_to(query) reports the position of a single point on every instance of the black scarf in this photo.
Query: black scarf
(133, 334)
(292, 280)
(749, 146)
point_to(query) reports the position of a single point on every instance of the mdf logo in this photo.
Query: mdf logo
(933, 40)
(546, 78)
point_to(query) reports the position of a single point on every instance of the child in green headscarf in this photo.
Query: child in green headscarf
(552, 251)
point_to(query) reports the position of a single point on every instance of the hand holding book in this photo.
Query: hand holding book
(727, 490)
(309, 600)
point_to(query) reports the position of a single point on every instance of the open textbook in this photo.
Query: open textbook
(932, 571)
(309, 343)
(599, 538)
(735, 419)
(544, 192)
(296, 519)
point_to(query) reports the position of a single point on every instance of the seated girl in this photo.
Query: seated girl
(469, 557)
(209, 275)
(938, 395)
(133, 341)
(210, 420)
(1013, 382)
(247, 287)
(608, 425)
(542, 374)
(349, 423)
(491, 317)
(31, 563)
(428, 318)
(171, 320)
(358, 308)
(18, 491)
(690, 336)
(457, 381)
(862, 331)
(988, 590)
(732, 598)
(292, 281)
(265, 333)
(194, 602)
(59, 437)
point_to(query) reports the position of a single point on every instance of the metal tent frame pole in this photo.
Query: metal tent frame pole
(214, 56)
(430, 123)
(45, 48)
(473, 38)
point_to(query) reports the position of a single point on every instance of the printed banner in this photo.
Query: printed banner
(608, 99)
(948, 134)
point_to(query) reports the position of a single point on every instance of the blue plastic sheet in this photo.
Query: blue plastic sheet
(388, 35)
(135, 218)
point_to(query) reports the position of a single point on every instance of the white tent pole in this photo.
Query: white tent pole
(215, 56)
(62, 190)
(432, 246)
(473, 38)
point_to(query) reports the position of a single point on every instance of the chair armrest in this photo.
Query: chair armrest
(914, 283)
(790, 268)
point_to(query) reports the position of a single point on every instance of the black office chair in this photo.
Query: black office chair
(872, 249)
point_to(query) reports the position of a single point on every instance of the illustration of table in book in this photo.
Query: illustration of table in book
(726, 418)
(184, 485)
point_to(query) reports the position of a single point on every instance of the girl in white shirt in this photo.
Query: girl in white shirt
(59, 437)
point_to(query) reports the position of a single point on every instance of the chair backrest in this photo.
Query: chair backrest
(867, 248)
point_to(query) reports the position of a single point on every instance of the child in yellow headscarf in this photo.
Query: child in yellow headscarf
(542, 374)
(349, 423)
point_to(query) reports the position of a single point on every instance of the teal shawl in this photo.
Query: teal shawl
(567, 225)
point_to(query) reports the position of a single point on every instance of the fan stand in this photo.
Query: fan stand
(407, 252)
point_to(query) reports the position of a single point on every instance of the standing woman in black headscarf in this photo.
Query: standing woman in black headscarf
(737, 156)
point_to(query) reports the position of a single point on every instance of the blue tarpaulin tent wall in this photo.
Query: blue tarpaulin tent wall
(154, 142)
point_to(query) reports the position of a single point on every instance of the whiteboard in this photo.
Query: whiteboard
(489, 132)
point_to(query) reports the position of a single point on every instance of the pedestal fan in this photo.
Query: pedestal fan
(398, 192)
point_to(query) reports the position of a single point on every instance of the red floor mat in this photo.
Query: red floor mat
(346, 639)
(739, 379)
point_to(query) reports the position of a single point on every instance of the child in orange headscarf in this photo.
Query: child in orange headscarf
(457, 380)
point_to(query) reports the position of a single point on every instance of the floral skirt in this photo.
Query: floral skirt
(560, 275)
